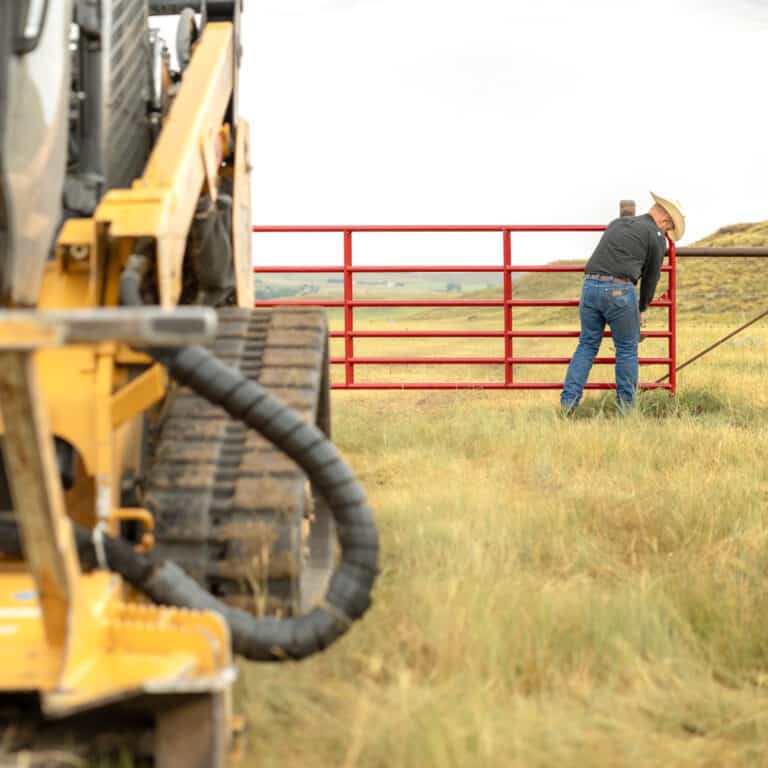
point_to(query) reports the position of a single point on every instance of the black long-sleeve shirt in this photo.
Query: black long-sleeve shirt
(632, 247)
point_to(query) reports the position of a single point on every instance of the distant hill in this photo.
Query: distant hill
(726, 287)
(550, 285)
(755, 235)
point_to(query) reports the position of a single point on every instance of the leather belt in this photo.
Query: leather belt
(608, 278)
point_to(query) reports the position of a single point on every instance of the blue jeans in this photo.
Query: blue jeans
(616, 304)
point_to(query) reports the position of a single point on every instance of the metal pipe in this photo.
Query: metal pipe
(479, 334)
(627, 208)
(539, 385)
(508, 345)
(436, 228)
(408, 269)
(712, 346)
(403, 360)
(432, 303)
(349, 313)
(421, 334)
(714, 252)
(672, 321)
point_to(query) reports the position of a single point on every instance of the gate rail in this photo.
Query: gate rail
(507, 304)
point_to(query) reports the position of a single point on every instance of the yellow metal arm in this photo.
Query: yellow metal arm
(188, 153)
(46, 532)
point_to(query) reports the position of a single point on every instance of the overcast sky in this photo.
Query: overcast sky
(504, 111)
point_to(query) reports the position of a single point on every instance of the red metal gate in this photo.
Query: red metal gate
(506, 305)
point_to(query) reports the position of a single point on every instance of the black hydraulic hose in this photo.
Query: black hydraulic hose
(349, 590)
(121, 557)
(348, 595)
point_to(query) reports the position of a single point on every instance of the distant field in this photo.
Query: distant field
(375, 285)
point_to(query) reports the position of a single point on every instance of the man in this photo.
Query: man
(632, 248)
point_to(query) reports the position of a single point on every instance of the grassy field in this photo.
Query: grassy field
(573, 592)
(553, 592)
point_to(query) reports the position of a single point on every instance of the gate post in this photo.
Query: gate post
(507, 276)
(349, 341)
(672, 316)
(627, 208)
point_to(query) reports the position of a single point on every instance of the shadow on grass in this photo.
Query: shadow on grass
(685, 404)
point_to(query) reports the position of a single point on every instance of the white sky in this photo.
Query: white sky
(503, 112)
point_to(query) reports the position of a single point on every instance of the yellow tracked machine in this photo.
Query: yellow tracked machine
(169, 495)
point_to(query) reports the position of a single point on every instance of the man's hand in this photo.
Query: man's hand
(642, 319)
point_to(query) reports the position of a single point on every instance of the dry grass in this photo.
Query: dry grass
(553, 592)
(590, 591)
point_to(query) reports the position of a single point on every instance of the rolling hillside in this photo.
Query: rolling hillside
(719, 287)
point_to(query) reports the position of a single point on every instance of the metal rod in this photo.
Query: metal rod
(672, 344)
(627, 208)
(714, 252)
(408, 268)
(420, 334)
(349, 314)
(508, 370)
(715, 345)
(402, 360)
(433, 303)
(479, 334)
(437, 228)
(576, 334)
(484, 385)
(148, 326)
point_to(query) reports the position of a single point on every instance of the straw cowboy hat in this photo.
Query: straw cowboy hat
(675, 210)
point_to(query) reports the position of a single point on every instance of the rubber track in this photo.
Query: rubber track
(229, 508)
